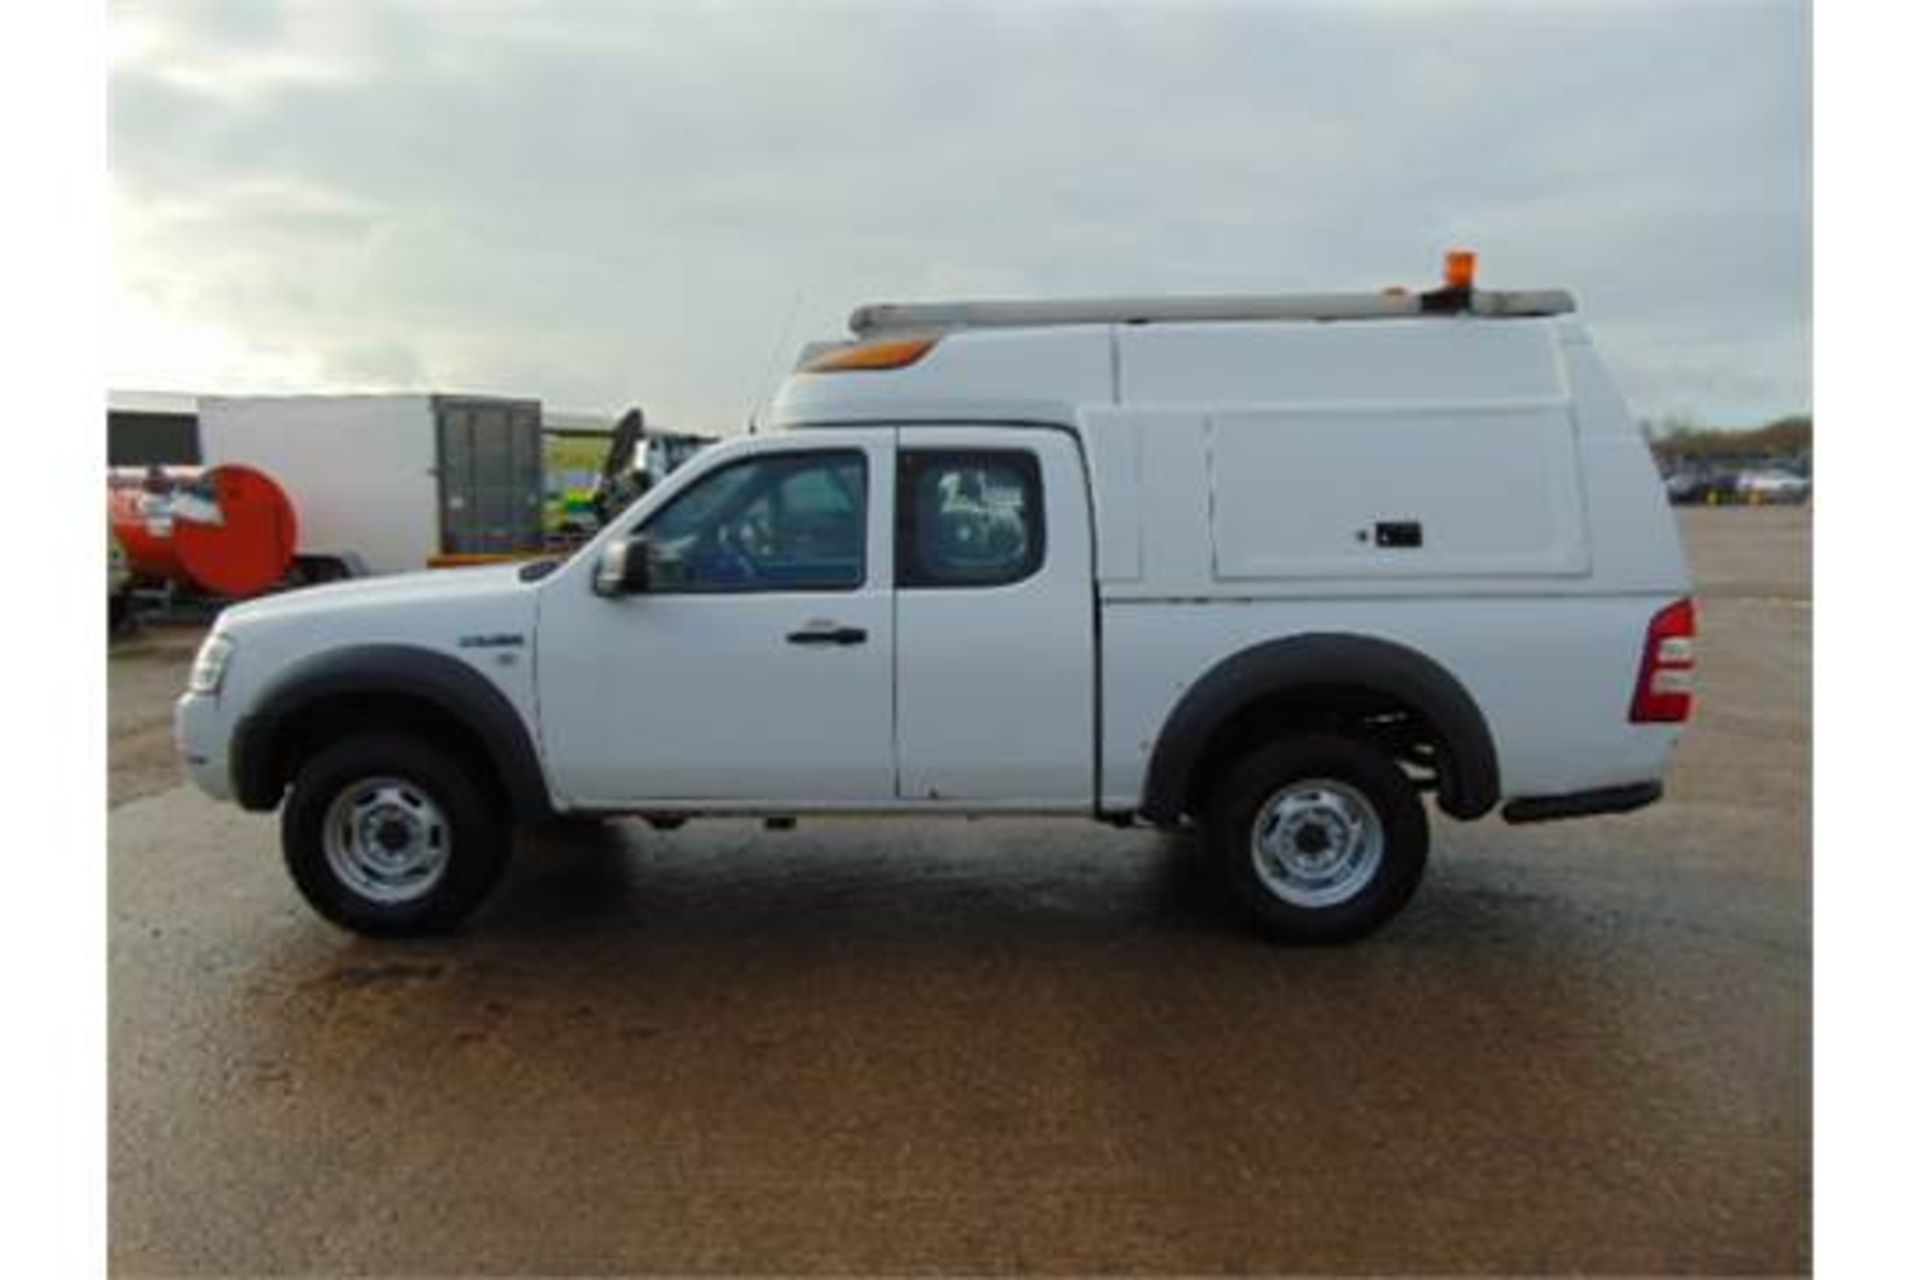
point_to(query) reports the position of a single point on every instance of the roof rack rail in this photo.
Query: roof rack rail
(894, 317)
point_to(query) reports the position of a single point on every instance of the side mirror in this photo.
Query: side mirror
(623, 567)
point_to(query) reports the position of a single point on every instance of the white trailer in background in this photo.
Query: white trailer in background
(391, 483)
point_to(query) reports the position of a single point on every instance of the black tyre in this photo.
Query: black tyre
(391, 836)
(1322, 838)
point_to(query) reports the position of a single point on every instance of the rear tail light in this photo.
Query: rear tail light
(1664, 692)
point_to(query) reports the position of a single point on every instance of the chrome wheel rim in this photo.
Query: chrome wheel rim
(387, 840)
(1317, 842)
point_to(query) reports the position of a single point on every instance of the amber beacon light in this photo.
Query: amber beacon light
(893, 353)
(1460, 263)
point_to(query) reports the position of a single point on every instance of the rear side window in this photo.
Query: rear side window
(969, 518)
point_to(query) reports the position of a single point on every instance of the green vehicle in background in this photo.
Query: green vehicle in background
(592, 475)
(573, 459)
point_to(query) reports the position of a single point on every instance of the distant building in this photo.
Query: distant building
(145, 428)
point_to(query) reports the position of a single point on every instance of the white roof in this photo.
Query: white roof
(1056, 372)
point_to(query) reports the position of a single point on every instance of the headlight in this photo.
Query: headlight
(209, 665)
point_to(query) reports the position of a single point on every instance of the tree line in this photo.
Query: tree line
(1788, 437)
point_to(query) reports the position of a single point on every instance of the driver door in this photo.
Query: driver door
(758, 667)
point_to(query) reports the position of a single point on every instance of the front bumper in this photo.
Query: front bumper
(200, 736)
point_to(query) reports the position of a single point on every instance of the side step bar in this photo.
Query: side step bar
(1582, 804)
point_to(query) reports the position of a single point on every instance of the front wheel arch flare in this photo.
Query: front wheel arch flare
(259, 767)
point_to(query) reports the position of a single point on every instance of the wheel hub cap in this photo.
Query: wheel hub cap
(1312, 838)
(1317, 842)
(387, 839)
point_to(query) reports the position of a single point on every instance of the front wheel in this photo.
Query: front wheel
(1322, 838)
(391, 836)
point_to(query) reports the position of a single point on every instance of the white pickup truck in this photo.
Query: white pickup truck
(1268, 569)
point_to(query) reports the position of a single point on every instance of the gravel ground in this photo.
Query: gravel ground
(145, 672)
(989, 1046)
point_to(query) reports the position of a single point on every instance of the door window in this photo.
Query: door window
(969, 518)
(778, 522)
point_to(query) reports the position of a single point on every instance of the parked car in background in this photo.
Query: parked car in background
(1693, 486)
(1773, 486)
(1685, 486)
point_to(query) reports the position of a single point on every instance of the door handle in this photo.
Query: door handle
(827, 633)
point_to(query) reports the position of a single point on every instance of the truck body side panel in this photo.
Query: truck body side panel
(1548, 546)
(1406, 362)
(1552, 675)
(1474, 488)
(1630, 525)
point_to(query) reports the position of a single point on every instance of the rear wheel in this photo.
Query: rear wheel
(391, 836)
(1322, 838)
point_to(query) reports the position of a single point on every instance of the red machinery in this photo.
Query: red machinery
(226, 530)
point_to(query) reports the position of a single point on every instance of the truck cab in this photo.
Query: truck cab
(1272, 571)
(865, 616)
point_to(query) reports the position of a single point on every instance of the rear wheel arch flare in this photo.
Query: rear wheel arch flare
(1308, 666)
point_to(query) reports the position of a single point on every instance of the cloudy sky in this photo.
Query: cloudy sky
(603, 204)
